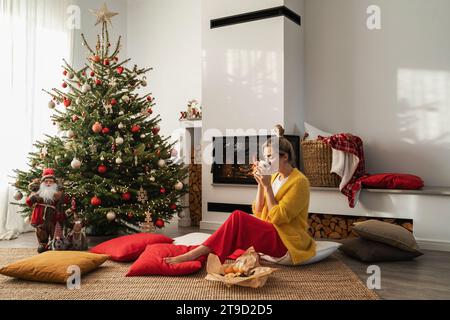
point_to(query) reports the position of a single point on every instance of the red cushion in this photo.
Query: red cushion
(151, 261)
(393, 181)
(129, 248)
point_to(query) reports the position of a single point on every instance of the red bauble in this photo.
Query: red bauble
(130, 215)
(75, 118)
(65, 72)
(105, 130)
(67, 102)
(158, 153)
(102, 168)
(173, 206)
(159, 223)
(135, 128)
(98, 82)
(155, 130)
(92, 73)
(162, 190)
(113, 102)
(149, 98)
(96, 201)
(97, 127)
(126, 196)
(96, 58)
(106, 62)
(64, 85)
(119, 70)
(149, 111)
(83, 73)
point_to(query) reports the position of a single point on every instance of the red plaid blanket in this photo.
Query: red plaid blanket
(349, 143)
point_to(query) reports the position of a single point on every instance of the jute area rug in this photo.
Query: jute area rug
(327, 280)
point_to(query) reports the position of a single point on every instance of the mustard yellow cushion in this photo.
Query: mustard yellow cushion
(52, 266)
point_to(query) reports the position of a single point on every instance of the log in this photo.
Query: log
(326, 222)
(343, 224)
(408, 226)
(334, 235)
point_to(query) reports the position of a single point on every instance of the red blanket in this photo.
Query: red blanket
(349, 143)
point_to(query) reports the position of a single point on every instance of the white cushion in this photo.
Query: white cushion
(192, 239)
(314, 133)
(323, 248)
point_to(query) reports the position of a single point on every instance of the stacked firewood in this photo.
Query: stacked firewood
(195, 193)
(325, 226)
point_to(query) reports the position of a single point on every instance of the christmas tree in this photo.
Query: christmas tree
(117, 172)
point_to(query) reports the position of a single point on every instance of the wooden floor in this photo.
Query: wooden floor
(427, 277)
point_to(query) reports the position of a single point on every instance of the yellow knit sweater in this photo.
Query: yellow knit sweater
(290, 216)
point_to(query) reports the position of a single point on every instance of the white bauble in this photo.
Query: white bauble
(75, 164)
(120, 126)
(68, 145)
(111, 216)
(113, 190)
(161, 163)
(174, 152)
(119, 140)
(142, 136)
(178, 185)
(119, 161)
(121, 113)
(70, 75)
(70, 134)
(126, 99)
(85, 88)
(51, 105)
(102, 158)
(152, 179)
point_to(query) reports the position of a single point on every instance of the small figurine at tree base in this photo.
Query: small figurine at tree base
(46, 203)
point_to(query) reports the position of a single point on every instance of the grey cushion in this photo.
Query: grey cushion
(373, 251)
(387, 233)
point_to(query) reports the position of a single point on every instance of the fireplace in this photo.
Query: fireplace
(233, 157)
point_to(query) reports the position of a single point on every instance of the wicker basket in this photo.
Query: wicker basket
(317, 159)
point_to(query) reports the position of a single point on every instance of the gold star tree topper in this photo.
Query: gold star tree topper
(103, 15)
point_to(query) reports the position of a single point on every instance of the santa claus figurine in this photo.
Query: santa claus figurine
(47, 203)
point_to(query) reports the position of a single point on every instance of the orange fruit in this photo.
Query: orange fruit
(229, 270)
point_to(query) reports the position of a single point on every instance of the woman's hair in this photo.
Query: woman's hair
(283, 144)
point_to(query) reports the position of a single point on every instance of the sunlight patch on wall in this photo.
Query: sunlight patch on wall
(424, 105)
(255, 69)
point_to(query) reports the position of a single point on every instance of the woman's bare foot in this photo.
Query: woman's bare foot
(178, 259)
(189, 256)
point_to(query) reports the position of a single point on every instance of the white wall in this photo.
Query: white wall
(88, 20)
(166, 35)
(390, 86)
(251, 81)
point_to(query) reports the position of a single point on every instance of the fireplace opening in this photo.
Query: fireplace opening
(233, 157)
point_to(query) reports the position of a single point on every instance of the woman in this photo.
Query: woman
(278, 226)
